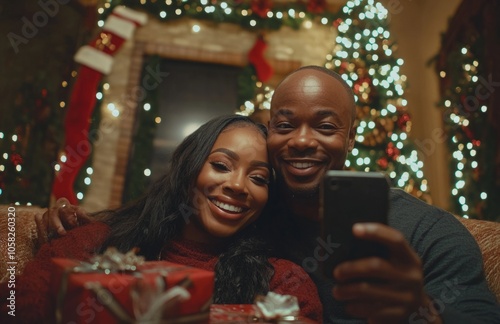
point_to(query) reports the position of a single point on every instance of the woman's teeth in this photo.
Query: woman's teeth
(231, 208)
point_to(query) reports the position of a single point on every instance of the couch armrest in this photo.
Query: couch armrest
(487, 235)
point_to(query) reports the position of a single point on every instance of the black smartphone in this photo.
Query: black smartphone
(349, 197)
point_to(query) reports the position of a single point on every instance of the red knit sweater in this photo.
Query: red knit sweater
(32, 287)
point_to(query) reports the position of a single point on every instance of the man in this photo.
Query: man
(434, 270)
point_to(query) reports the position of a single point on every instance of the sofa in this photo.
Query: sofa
(486, 233)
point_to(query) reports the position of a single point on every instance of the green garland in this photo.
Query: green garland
(142, 143)
(231, 11)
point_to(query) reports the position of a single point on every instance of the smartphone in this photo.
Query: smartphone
(349, 197)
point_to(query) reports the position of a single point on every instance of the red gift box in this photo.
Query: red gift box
(246, 313)
(91, 296)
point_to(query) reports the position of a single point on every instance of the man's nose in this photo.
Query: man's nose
(304, 139)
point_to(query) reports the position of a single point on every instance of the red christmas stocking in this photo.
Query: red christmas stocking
(263, 69)
(96, 60)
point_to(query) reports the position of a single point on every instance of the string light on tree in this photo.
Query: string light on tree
(474, 193)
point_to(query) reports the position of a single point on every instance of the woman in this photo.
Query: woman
(202, 213)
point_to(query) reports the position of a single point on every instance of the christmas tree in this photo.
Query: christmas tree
(472, 139)
(365, 57)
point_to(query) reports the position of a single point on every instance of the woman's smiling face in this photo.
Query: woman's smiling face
(232, 187)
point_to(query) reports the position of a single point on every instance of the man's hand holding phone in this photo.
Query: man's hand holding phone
(348, 198)
(383, 290)
(378, 276)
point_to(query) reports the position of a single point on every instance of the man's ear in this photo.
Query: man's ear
(352, 137)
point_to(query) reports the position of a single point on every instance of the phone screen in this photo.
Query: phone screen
(349, 197)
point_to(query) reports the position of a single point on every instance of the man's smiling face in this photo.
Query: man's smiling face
(310, 130)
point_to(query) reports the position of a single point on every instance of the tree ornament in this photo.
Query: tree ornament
(403, 120)
(392, 151)
(468, 132)
(383, 163)
(16, 159)
(316, 6)
(261, 7)
(337, 22)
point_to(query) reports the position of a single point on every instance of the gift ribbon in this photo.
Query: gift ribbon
(109, 301)
(277, 308)
(113, 261)
(220, 313)
(83, 267)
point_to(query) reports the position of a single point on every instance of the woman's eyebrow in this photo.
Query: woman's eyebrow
(236, 157)
(260, 164)
(229, 153)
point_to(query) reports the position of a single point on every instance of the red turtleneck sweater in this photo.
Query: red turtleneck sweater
(33, 304)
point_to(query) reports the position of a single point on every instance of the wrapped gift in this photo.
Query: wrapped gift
(273, 308)
(148, 292)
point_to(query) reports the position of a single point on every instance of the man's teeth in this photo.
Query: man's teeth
(301, 165)
(231, 208)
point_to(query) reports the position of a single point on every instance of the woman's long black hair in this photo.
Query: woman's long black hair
(243, 270)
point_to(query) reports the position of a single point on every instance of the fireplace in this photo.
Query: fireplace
(189, 94)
